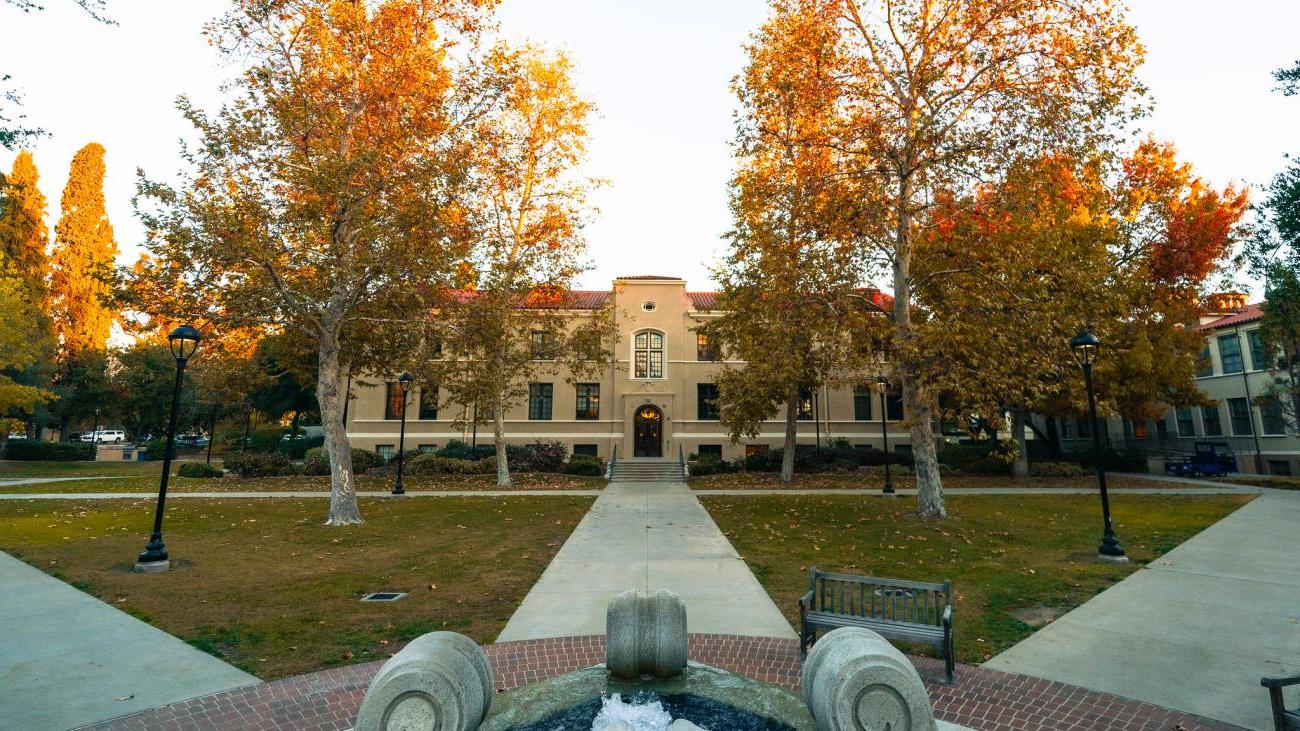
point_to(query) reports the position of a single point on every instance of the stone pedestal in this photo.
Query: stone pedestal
(855, 680)
(151, 567)
(440, 682)
(645, 635)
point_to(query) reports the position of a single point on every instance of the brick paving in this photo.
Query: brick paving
(989, 700)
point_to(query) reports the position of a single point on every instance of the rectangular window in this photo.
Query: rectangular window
(706, 399)
(753, 449)
(805, 412)
(1085, 427)
(426, 448)
(648, 355)
(1211, 422)
(1230, 354)
(429, 403)
(703, 350)
(1162, 429)
(1140, 430)
(387, 451)
(894, 405)
(1067, 429)
(588, 400)
(1271, 420)
(710, 450)
(542, 346)
(1259, 359)
(1186, 423)
(1279, 467)
(1205, 363)
(588, 450)
(862, 399)
(1239, 413)
(393, 401)
(540, 396)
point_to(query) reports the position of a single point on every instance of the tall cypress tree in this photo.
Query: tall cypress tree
(23, 234)
(84, 253)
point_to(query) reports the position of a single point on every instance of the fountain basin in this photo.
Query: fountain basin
(709, 697)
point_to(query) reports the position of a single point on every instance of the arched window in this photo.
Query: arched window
(648, 354)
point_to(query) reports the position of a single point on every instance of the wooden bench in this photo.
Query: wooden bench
(1283, 720)
(911, 611)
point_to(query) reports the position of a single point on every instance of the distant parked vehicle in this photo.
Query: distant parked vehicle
(16, 435)
(1207, 458)
(191, 440)
(115, 436)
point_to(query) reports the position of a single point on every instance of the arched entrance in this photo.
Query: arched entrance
(648, 432)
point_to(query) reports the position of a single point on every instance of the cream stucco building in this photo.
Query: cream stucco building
(657, 397)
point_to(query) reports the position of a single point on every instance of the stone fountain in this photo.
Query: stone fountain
(852, 679)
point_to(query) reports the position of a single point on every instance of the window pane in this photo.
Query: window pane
(1239, 413)
(588, 400)
(642, 341)
(805, 404)
(1230, 354)
(862, 398)
(1067, 429)
(1210, 420)
(706, 401)
(1206, 363)
(702, 349)
(1186, 424)
(589, 450)
(539, 401)
(656, 364)
(656, 341)
(429, 403)
(1258, 358)
(710, 450)
(640, 369)
(894, 405)
(1271, 420)
(393, 401)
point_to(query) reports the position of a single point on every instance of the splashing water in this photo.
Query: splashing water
(615, 714)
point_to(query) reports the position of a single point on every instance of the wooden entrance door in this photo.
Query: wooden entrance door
(648, 432)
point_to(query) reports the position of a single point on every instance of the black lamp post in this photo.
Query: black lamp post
(405, 381)
(184, 340)
(1085, 346)
(882, 385)
(95, 438)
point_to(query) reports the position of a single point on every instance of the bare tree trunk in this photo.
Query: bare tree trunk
(929, 485)
(791, 431)
(499, 439)
(1020, 468)
(343, 486)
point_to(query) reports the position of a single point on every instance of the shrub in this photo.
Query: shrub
(455, 449)
(29, 450)
(431, 463)
(585, 464)
(1119, 460)
(711, 465)
(259, 464)
(199, 469)
(959, 456)
(317, 462)
(1056, 469)
(265, 440)
(298, 448)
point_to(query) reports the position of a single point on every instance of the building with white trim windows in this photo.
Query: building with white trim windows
(657, 397)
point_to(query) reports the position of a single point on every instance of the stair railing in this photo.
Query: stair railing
(613, 459)
(681, 459)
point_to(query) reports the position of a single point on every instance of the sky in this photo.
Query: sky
(659, 72)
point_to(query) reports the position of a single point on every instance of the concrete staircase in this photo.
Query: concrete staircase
(642, 469)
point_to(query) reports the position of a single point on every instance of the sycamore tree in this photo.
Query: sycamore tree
(938, 96)
(1274, 255)
(513, 319)
(322, 198)
(786, 283)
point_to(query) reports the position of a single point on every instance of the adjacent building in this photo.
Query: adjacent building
(657, 398)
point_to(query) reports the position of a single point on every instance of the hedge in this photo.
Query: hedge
(431, 463)
(30, 450)
(585, 464)
(259, 464)
(317, 461)
(199, 469)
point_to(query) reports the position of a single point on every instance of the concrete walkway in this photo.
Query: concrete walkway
(646, 536)
(68, 659)
(12, 481)
(1196, 629)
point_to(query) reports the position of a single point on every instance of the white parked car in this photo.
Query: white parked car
(115, 436)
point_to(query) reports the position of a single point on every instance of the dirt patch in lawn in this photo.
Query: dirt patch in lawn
(1003, 554)
(266, 586)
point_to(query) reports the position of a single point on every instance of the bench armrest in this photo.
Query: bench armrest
(805, 601)
(1280, 682)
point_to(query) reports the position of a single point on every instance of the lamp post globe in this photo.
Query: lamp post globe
(882, 385)
(183, 341)
(1085, 346)
(404, 381)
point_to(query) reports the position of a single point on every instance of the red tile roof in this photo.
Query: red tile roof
(703, 300)
(655, 277)
(1249, 313)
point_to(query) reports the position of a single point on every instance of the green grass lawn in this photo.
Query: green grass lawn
(1027, 556)
(266, 586)
(872, 481)
(144, 477)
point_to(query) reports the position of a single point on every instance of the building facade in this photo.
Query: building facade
(657, 398)
(1237, 372)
